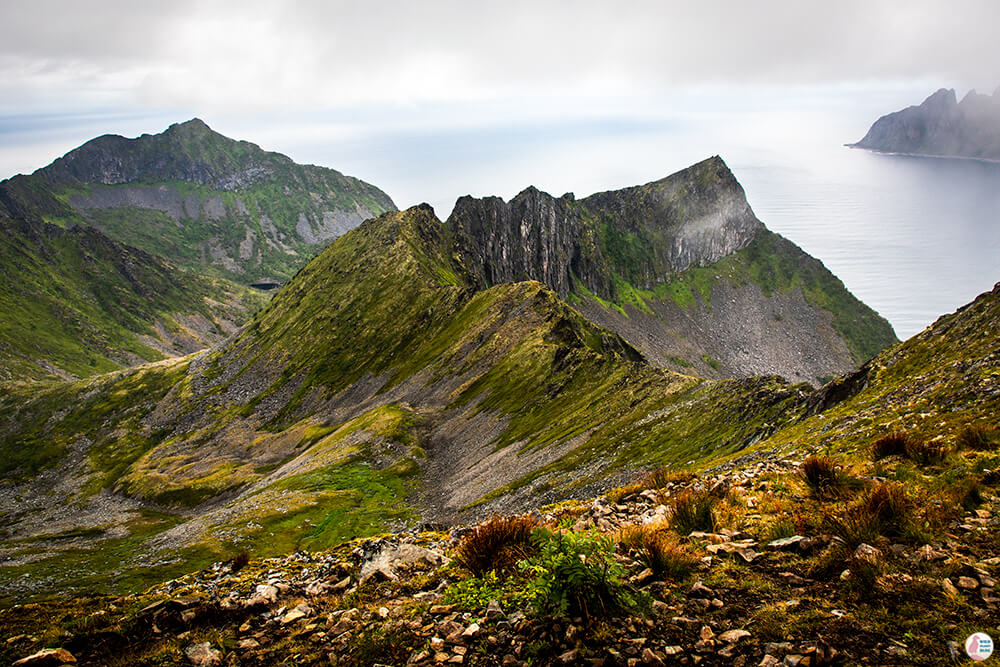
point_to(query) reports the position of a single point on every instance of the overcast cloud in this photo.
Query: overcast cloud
(261, 55)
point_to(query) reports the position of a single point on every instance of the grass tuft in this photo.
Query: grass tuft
(978, 438)
(825, 477)
(496, 544)
(893, 444)
(693, 510)
(658, 550)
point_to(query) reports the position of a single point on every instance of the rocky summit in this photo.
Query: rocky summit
(208, 203)
(941, 126)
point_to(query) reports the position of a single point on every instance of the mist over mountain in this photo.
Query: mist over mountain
(941, 126)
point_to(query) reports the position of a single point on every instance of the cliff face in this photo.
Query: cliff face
(207, 202)
(941, 126)
(641, 234)
(682, 269)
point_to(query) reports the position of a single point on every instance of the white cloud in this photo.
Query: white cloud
(260, 55)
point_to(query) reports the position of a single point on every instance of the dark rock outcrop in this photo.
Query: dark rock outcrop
(643, 234)
(941, 126)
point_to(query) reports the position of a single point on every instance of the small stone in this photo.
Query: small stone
(701, 590)
(727, 652)
(968, 583)
(786, 543)
(733, 636)
(418, 657)
(868, 554)
(203, 655)
(706, 632)
(777, 647)
(299, 611)
(768, 661)
(793, 660)
(643, 577)
(672, 650)
(569, 657)
(471, 631)
(649, 657)
(494, 611)
(247, 644)
(660, 608)
(949, 588)
(793, 579)
(441, 609)
(47, 656)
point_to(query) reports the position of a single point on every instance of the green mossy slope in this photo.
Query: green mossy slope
(76, 303)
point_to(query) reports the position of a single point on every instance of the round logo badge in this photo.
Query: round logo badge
(979, 646)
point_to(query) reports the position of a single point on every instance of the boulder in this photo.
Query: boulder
(203, 655)
(46, 657)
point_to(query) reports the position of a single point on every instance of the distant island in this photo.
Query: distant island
(941, 126)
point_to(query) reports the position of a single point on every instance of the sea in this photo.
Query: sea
(913, 237)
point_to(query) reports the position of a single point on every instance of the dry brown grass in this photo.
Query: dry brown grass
(893, 444)
(496, 544)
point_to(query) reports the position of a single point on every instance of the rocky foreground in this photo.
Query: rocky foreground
(887, 558)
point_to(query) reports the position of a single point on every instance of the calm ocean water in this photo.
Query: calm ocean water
(914, 238)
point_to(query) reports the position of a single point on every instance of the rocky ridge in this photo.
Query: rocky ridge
(681, 268)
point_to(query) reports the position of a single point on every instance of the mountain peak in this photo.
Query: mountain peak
(940, 126)
(941, 99)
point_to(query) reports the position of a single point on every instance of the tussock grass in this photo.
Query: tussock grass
(693, 510)
(978, 438)
(659, 550)
(496, 544)
(893, 444)
(825, 477)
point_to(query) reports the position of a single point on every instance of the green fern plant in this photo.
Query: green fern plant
(576, 574)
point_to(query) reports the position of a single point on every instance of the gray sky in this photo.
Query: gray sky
(272, 55)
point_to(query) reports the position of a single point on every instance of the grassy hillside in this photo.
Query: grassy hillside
(76, 303)
(378, 378)
(858, 527)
